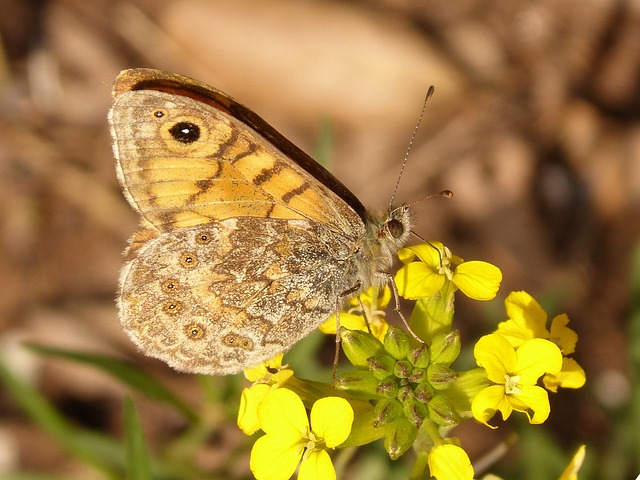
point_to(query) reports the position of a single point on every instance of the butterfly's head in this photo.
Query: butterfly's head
(396, 227)
(387, 232)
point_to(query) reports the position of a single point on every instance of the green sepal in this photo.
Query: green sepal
(405, 393)
(397, 343)
(418, 375)
(358, 382)
(388, 387)
(415, 411)
(399, 437)
(402, 369)
(387, 410)
(358, 346)
(419, 356)
(381, 365)
(441, 377)
(442, 412)
(423, 392)
(445, 348)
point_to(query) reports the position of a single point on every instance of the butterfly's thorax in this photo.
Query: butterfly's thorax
(246, 244)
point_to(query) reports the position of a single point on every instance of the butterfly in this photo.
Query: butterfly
(246, 244)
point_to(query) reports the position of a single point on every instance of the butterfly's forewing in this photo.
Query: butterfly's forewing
(184, 161)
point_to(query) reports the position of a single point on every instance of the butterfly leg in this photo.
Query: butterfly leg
(389, 279)
(336, 356)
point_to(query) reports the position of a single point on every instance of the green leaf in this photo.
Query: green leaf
(136, 449)
(125, 372)
(98, 450)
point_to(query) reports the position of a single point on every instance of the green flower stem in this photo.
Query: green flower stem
(420, 466)
(433, 432)
(434, 315)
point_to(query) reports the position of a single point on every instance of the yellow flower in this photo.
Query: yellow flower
(562, 335)
(571, 376)
(528, 320)
(374, 302)
(514, 374)
(289, 438)
(427, 268)
(571, 472)
(450, 462)
(271, 371)
(266, 376)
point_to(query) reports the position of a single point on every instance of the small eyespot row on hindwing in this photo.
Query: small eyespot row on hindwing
(171, 286)
(195, 331)
(185, 132)
(233, 340)
(203, 238)
(172, 307)
(188, 260)
(159, 113)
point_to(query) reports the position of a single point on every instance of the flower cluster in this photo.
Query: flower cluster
(403, 387)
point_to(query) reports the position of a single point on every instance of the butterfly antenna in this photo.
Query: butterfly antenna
(443, 193)
(413, 137)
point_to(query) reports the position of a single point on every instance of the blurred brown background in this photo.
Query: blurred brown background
(534, 125)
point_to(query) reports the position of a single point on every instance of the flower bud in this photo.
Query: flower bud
(399, 437)
(359, 381)
(396, 343)
(358, 346)
(441, 377)
(405, 393)
(423, 392)
(418, 375)
(381, 366)
(387, 410)
(442, 412)
(415, 412)
(402, 369)
(387, 387)
(445, 348)
(419, 356)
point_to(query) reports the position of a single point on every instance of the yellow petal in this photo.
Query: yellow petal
(418, 280)
(572, 470)
(347, 320)
(495, 354)
(449, 462)
(375, 297)
(571, 376)
(281, 414)
(513, 332)
(488, 402)
(317, 466)
(478, 280)
(536, 399)
(535, 358)
(272, 460)
(248, 410)
(523, 309)
(258, 372)
(331, 420)
(425, 252)
(562, 335)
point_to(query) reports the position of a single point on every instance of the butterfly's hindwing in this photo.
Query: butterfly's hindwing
(208, 299)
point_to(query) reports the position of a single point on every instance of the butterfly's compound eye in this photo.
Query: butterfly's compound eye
(395, 227)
